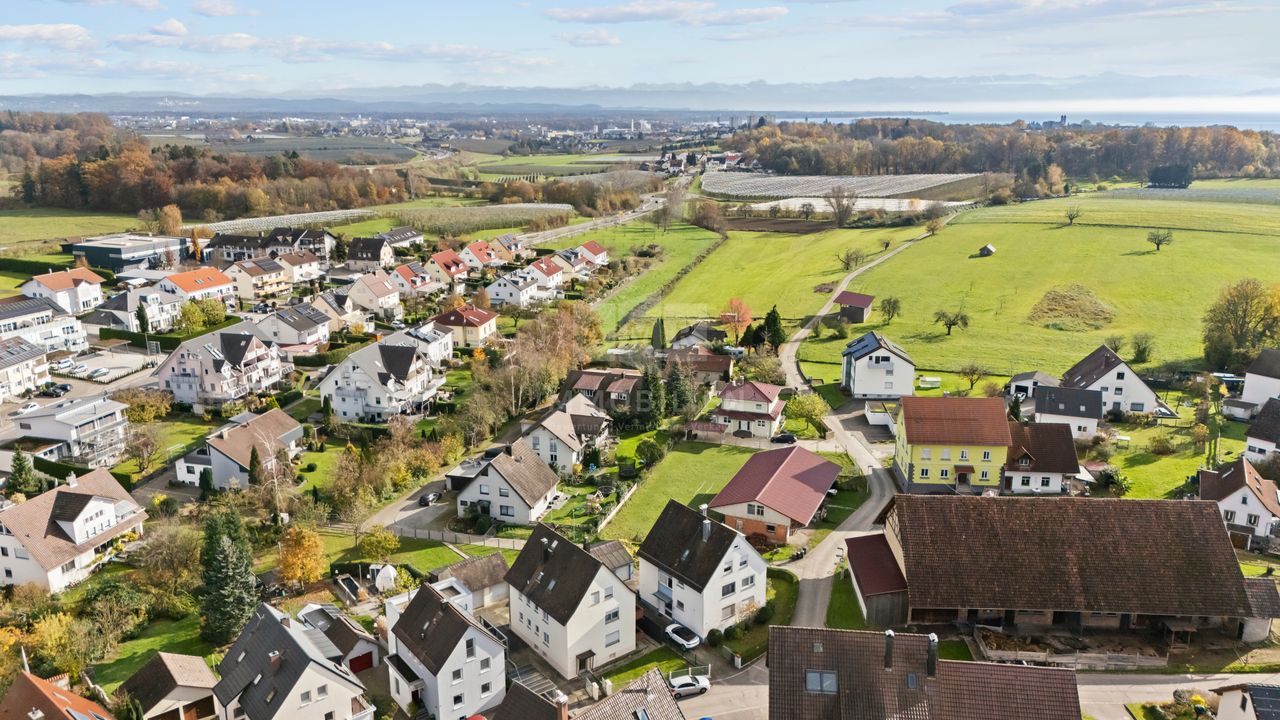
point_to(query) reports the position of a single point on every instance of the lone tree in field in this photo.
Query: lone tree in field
(890, 308)
(737, 316)
(1143, 345)
(952, 319)
(809, 407)
(935, 226)
(973, 374)
(1160, 238)
(1243, 319)
(1073, 213)
(850, 259)
(807, 210)
(841, 202)
(1115, 342)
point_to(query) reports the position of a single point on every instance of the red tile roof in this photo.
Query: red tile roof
(202, 278)
(792, 481)
(594, 248)
(547, 267)
(956, 421)
(751, 391)
(468, 315)
(67, 279)
(450, 263)
(28, 693)
(482, 251)
(874, 566)
(853, 299)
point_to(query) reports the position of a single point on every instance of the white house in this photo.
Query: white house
(595, 252)
(471, 326)
(278, 670)
(574, 262)
(402, 237)
(449, 269)
(750, 408)
(259, 279)
(875, 367)
(201, 283)
(481, 576)
(298, 330)
(697, 335)
(518, 288)
(412, 278)
(1122, 390)
(1249, 503)
(550, 275)
(1080, 409)
(775, 492)
(214, 369)
(75, 290)
(511, 484)
(1041, 459)
(566, 605)
(370, 254)
(121, 310)
(340, 310)
(441, 658)
(436, 343)
(301, 266)
(359, 648)
(57, 538)
(228, 451)
(42, 323)
(90, 430)
(1024, 385)
(478, 255)
(699, 572)
(1261, 382)
(376, 294)
(23, 368)
(380, 380)
(563, 436)
(1262, 438)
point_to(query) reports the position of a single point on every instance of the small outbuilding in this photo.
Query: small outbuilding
(987, 250)
(854, 307)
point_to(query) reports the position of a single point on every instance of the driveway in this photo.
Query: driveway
(1103, 695)
(742, 695)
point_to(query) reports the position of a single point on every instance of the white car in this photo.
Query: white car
(79, 368)
(683, 636)
(100, 372)
(63, 364)
(689, 685)
(29, 407)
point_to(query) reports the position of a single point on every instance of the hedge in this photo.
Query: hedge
(168, 341)
(328, 357)
(288, 398)
(57, 469)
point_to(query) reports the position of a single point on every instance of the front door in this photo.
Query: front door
(585, 661)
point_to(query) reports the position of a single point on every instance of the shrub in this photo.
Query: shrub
(764, 614)
(1162, 444)
(309, 467)
(715, 637)
(731, 633)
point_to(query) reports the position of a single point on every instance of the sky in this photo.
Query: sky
(292, 46)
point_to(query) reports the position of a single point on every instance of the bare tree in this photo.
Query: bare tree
(850, 259)
(807, 210)
(950, 320)
(841, 202)
(672, 207)
(973, 374)
(1160, 238)
(142, 445)
(1073, 213)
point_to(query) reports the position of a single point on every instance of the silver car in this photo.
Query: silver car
(689, 685)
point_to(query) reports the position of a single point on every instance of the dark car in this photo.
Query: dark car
(426, 499)
(53, 391)
(785, 438)
(64, 387)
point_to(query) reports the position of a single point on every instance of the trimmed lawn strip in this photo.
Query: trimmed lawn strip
(843, 612)
(954, 650)
(784, 588)
(178, 435)
(326, 464)
(663, 658)
(174, 636)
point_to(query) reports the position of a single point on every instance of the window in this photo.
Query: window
(964, 454)
(984, 474)
(925, 453)
(613, 638)
(1229, 515)
(608, 592)
(1253, 520)
(612, 616)
(1118, 391)
(1026, 481)
(546, 638)
(484, 489)
(1137, 407)
(986, 456)
(503, 492)
(728, 589)
(820, 681)
(1244, 500)
(507, 511)
(944, 473)
(742, 561)
(770, 529)
(457, 675)
(728, 565)
(946, 453)
(322, 691)
(328, 715)
(306, 697)
(1044, 482)
(471, 649)
(1119, 376)
(726, 613)
(457, 700)
(484, 664)
(924, 473)
(679, 604)
(486, 688)
(749, 581)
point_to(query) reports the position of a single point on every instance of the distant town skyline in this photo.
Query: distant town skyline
(294, 47)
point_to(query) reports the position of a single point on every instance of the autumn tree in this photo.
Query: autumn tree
(851, 258)
(737, 316)
(972, 374)
(302, 556)
(1244, 318)
(809, 407)
(145, 405)
(169, 220)
(379, 543)
(65, 642)
(935, 226)
(142, 445)
(481, 299)
(170, 557)
(1073, 213)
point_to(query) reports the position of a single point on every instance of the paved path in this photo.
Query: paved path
(1103, 695)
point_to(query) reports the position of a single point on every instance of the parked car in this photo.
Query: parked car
(29, 407)
(63, 364)
(78, 368)
(689, 685)
(683, 636)
(100, 372)
(64, 387)
(397, 324)
(426, 499)
(53, 391)
(785, 438)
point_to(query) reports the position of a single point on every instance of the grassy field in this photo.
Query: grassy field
(843, 612)
(553, 164)
(663, 658)
(10, 282)
(326, 462)
(784, 589)
(692, 473)
(1215, 244)
(175, 636)
(19, 226)
(177, 433)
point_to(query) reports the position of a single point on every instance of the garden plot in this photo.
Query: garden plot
(862, 204)
(809, 186)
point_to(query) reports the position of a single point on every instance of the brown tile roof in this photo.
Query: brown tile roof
(164, 673)
(865, 689)
(874, 566)
(1050, 447)
(1069, 554)
(450, 262)
(379, 283)
(793, 481)
(1091, 368)
(467, 315)
(477, 573)
(853, 299)
(553, 572)
(1264, 599)
(33, 523)
(1266, 426)
(676, 545)
(751, 391)
(525, 472)
(1216, 485)
(648, 693)
(201, 278)
(430, 627)
(67, 279)
(521, 703)
(955, 421)
(28, 693)
(700, 359)
(298, 257)
(612, 553)
(263, 432)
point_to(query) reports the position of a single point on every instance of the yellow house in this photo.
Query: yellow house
(951, 444)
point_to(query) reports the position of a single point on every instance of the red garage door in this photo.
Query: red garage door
(360, 663)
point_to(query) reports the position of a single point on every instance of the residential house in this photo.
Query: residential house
(648, 697)
(950, 444)
(319, 242)
(89, 431)
(301, 266)
(278, 669)
(390, 377)
(574, 263)
(440, 658)
(376, 294)
(1261, 383)
(59, 537)
(818, 673)
(259, 279)
(567, 606)
(343, 314)
(201, 283)
(358, 647)
(75, 290)
(370, 254)
(1262, 439)
(699, 572)
(511, 248)
(230, 248)
(34, 698)
(471, 326)
(704, 366)
(1041, 459)
(618, 391)
(478, 256)
(776, 492)
(854, 307)
(24, 368)
(228, 451)
(750, 408)
(922, 574)
(876, 367)
(436, 343)
(172, 687)
(214, 369)
(522, 703)
(297, 330)
(481, 575)
(595, 253)
(1122, 390)
(1248, 701)
(616, 557)
(518, 288)
(448, 269)
(402, 237)
(120, 311)
(1024, 385)
(42, 323)
(1249, 503)
(412, 278)
(130, 251)
(697, 334)
(563, 437)
(550, 276)
(512, 485)
(1080, 409)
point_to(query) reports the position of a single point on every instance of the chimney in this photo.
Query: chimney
(931, 668)
(546, 550)
(562, 707)
(703, 509)
(706, 529)
(274, 658)
(71, 480)
(888, 649)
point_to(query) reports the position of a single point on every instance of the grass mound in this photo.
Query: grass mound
(1073, 308)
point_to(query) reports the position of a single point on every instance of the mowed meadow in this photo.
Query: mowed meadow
(1161, 292)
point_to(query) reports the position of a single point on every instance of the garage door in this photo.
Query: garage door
(360, 663)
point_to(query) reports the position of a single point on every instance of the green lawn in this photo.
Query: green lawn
(663, 658)
(1215, 244)
(692, 473)
(175, 636)
(10, 282)
(178, 433)
(422, 555)
(784, 588)
(326, 462)
(304, 408)
(19, 226)
(954, 650)
(843, 612)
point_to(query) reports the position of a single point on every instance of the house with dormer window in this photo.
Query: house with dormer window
(391, 377)
(750, 409)
(510, 484)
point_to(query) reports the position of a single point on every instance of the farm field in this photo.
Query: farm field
(10, 281)
(555, 164)
(784, 186)
(1106, 252)
(1228, 190)
(344, 150)
(862, 204)
(19, 226)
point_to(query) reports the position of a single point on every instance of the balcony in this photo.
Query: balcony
(361, 710)
(663, 593)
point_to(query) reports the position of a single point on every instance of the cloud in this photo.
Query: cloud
(742, 16)
(971, 15)
(221, 8)
(172, 27)
(743, 36)
(143, 4)
(303, 49)
(62, 35)
(23, 66)
(637, 11)
(599, 37)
